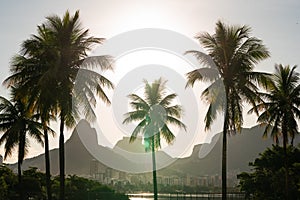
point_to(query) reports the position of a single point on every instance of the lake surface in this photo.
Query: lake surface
(149, 196)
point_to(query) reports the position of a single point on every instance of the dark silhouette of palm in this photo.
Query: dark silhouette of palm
(281, 108)
(154, 112)
(54, 72)
(31, 72)
(232, 54)
(15, 123)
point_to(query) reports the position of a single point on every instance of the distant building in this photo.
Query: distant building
(93, 167)
(122, 175)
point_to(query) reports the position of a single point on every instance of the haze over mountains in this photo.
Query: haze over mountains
(205, 159)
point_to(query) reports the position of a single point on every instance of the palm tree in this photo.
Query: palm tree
(72, 44)
(281, 108)
(232, 54)
(29, 73)
(15, 123)
(154, 113)
(58, 70)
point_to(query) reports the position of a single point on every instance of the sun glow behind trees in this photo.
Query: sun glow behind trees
(106, 19)
(157, 60)
(111, 127)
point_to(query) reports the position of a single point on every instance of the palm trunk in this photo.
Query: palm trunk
(224, 151)
(284, 133)
(154, 170)
(20, 172)
(224, 159)
(20, 181)
(62, 160)
(47, 165)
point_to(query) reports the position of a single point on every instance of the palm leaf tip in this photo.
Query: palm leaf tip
(126, 120)
(132, 139)
(192, 77)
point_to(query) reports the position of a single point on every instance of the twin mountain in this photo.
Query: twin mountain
(205, 159)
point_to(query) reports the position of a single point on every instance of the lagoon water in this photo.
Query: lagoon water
(149, 196)
(137, 198)
(165, 198)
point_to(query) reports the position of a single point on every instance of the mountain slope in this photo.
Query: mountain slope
(205, 159)
(241, 149)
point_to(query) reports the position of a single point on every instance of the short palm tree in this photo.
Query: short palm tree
(232, 55)
(15, 123)
(281, 108)
(154, 112)
(58, 70)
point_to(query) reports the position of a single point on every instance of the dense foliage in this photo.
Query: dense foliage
(267, 180)
(34, 187)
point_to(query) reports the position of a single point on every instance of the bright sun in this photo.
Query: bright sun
(130, 70)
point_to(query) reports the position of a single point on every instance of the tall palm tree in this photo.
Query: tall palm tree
(281, 108)
(30, 74)
(15, 123)
(71, 42)
(154, 113)
(232, 55)
(58, 70)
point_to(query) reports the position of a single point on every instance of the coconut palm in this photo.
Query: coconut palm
(281, 108)
(28, 69)
(72, 43)
(58, 70)
(15, 123)
(232, 54)
(154, 113)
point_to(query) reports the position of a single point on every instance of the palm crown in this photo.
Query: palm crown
(231, 57)
(54, 68)
(15, 123)
(280, 109)
(154, 113)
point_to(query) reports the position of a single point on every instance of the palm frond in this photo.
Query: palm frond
(167, 100)
(167, 134)
(105, 62)
(203, 59)
(138, 129)
(134, 115)
(201, 74)
(175, 121)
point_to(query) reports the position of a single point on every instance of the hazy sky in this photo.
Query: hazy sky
(276, 22)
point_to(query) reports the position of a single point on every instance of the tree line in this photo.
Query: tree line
(44, 87)
(34, 184)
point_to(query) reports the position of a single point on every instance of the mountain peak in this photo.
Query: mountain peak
(134, 147)
(205, 159)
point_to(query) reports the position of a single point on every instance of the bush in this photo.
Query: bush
(267, 179)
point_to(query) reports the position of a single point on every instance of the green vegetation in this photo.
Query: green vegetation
(34, 187)
(266, 181)
(16, 123)
(281, 110)
(154, 113)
